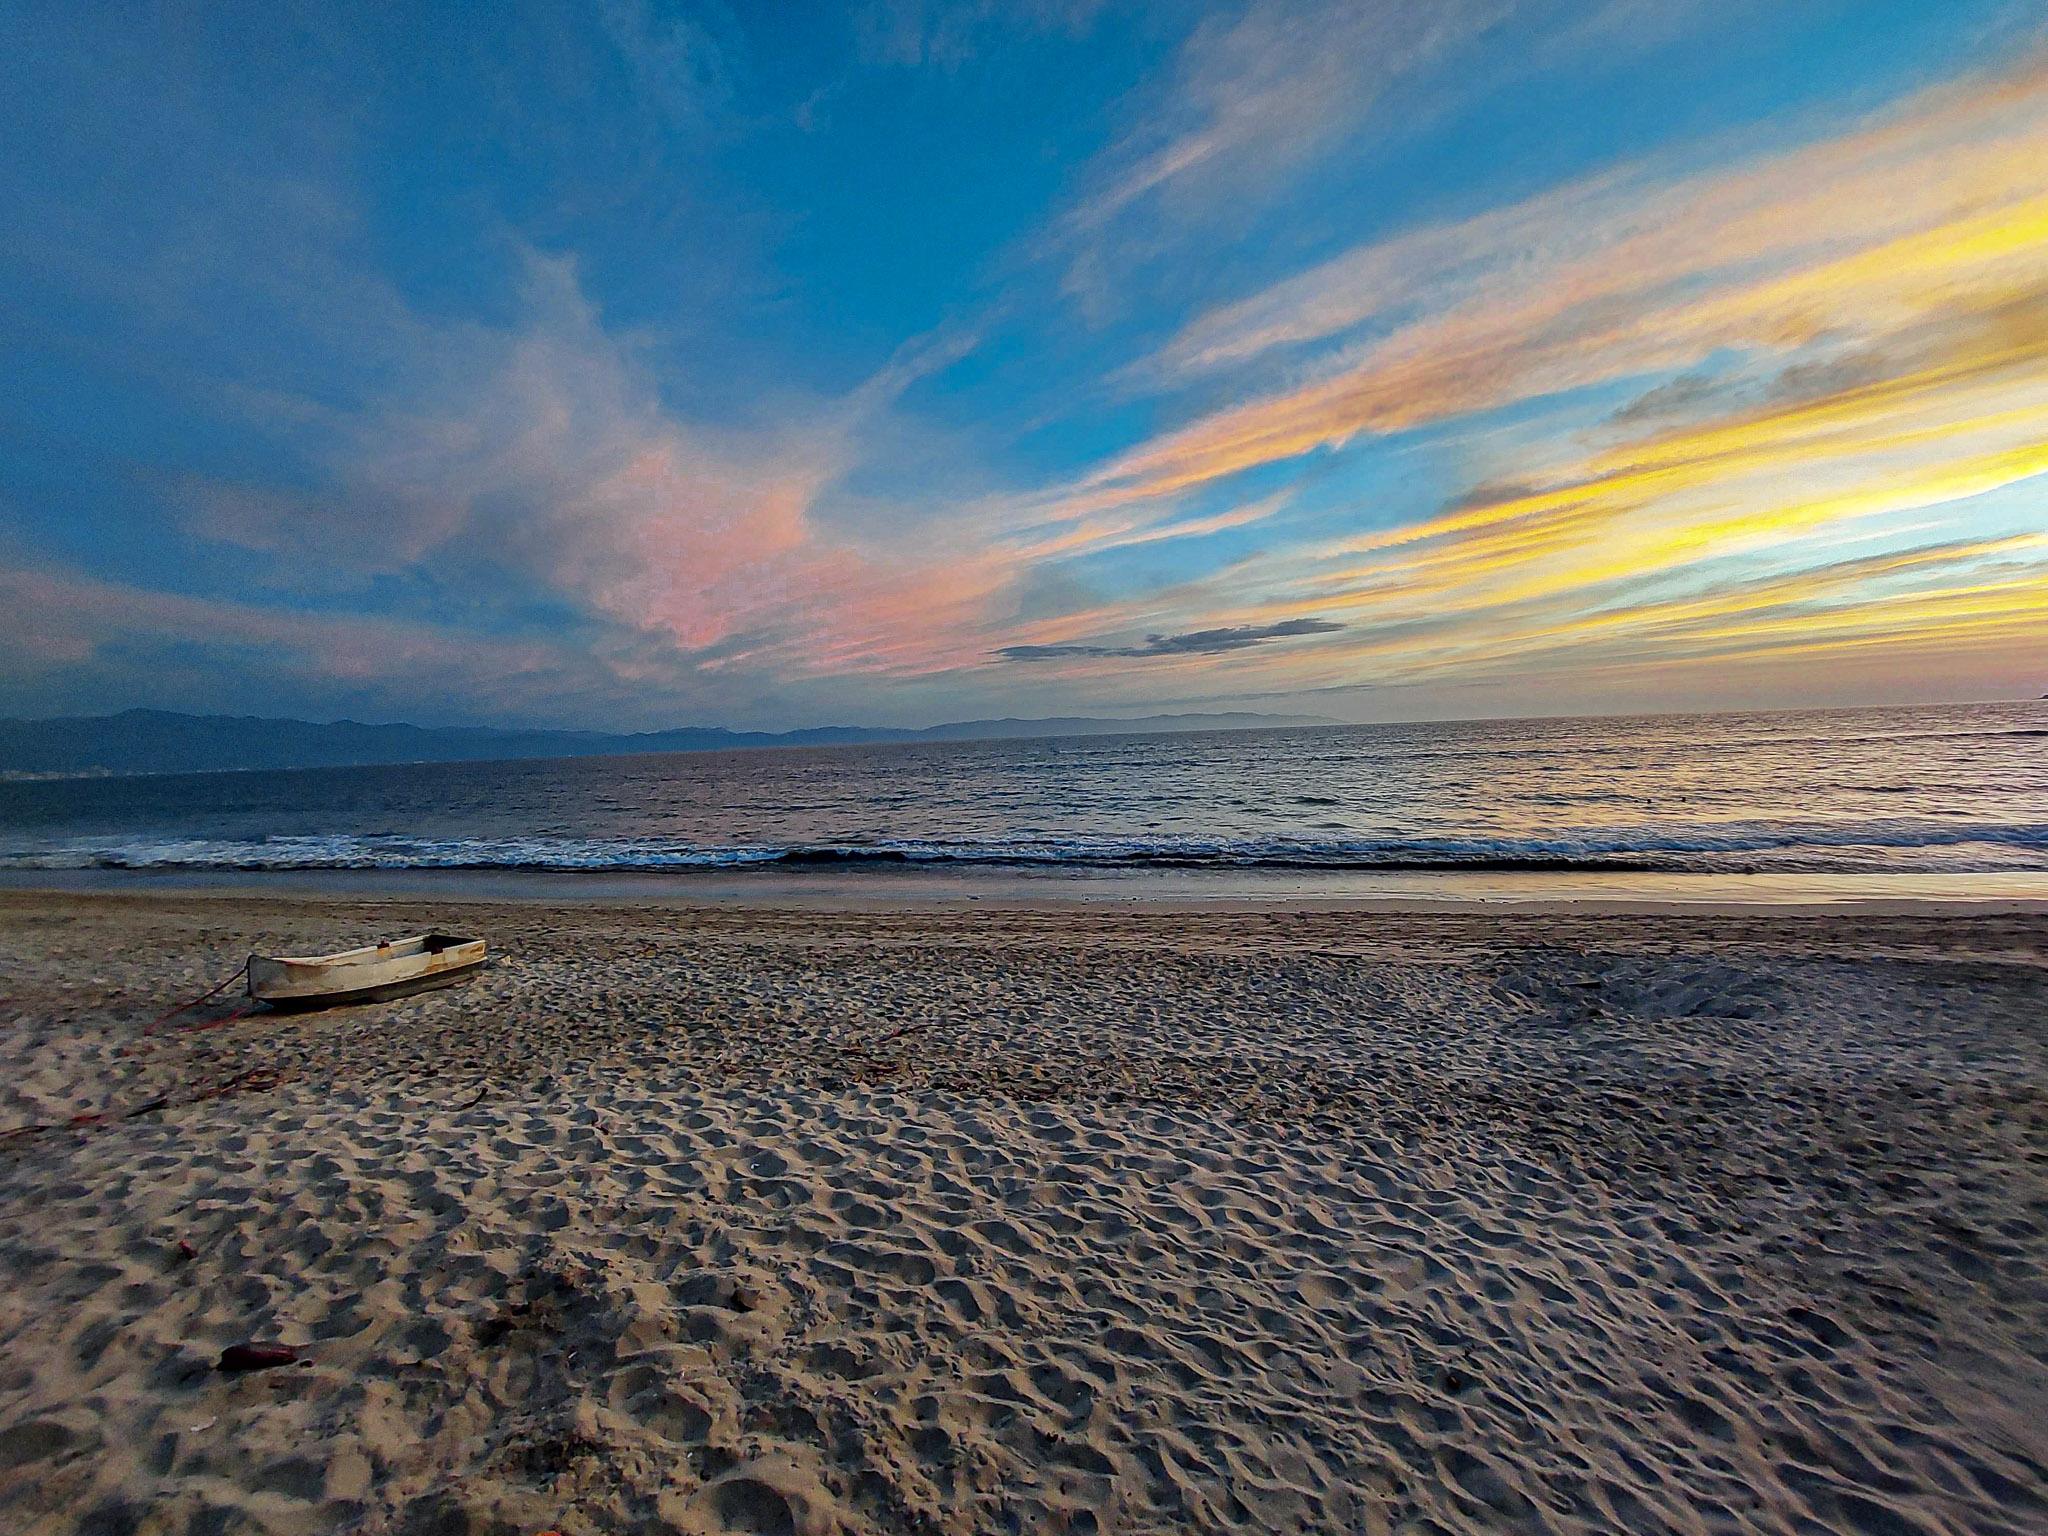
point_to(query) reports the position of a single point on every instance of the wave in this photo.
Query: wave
(1866, 848)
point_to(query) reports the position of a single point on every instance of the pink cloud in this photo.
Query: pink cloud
(545, 451)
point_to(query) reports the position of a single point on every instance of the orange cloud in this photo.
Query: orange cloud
(1936, 212)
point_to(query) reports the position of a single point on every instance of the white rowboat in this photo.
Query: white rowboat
(394, 968)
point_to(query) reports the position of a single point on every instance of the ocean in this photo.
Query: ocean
(1939, 790)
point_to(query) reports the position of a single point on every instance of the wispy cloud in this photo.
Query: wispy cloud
(1936, 210)
(173, 647)
(1730, 533)
(945, 34)
(543, 451)
(677, 67)
(1254, 97)
(1264, 98)
(1832, 341)
(1259, 92)
(1514, 575)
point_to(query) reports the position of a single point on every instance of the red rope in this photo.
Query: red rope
(213, 991)
(224, 1020)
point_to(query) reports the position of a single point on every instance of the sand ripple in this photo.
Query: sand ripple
(816, 1224)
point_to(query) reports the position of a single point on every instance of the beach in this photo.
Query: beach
(878, 1219)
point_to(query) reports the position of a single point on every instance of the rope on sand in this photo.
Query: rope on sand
(149, 1030)
(211, 992)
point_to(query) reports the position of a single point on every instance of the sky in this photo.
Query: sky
(632, 364)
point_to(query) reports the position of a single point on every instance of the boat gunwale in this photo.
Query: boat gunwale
(410, 947)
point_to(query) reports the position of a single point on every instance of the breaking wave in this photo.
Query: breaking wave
(1902, 846)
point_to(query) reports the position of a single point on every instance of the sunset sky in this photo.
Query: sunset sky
(774, 365)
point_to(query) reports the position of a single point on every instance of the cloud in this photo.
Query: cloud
(1272, 81)
(1961, 597)
(1263, 98)
(539, 449)
(1642, 239)
(1252, 99)
(1694, 505)
(1609, 581)
(677, 68)
(946, 34)
(541, 454)
(1936, 209)
(1675, 397)
(1957, 418)
(1199, 642)
(141, 642)
(1787, 513)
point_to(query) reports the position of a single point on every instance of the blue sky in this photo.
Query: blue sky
(638, 364)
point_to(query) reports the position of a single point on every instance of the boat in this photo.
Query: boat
(394, 968)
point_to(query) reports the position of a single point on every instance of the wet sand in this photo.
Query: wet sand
(723, 1218)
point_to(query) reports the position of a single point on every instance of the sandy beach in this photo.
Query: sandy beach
(732, 1219)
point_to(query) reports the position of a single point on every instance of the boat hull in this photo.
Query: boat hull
(381, 992)
(395, 969)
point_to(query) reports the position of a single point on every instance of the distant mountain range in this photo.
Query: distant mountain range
(160, 741)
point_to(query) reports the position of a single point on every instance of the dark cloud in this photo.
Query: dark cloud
(1197, 642)
(1675, 397)
(1836, 375)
